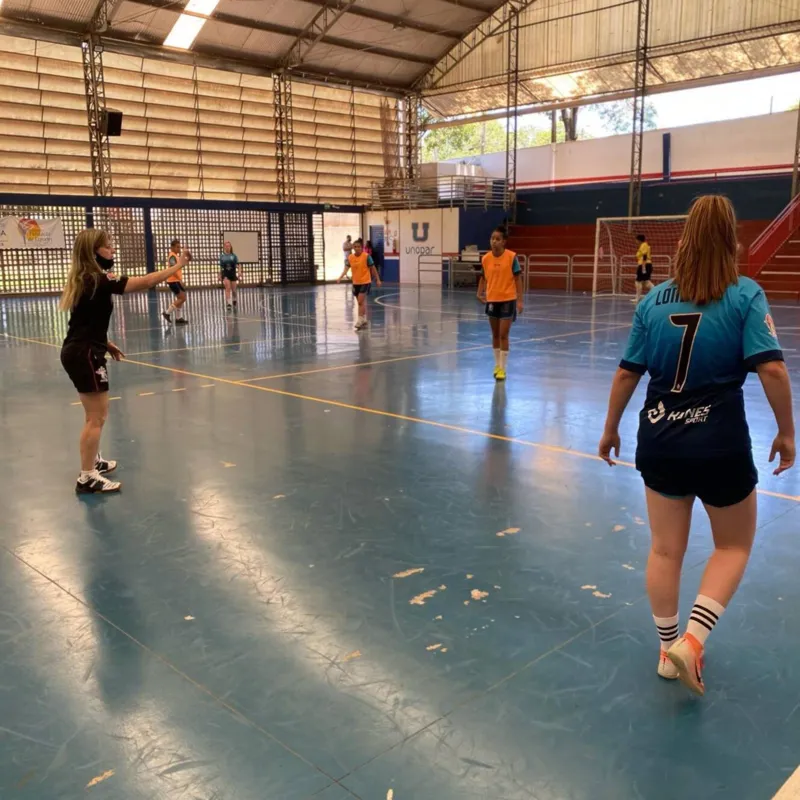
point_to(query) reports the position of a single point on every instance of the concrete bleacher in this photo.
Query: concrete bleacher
(552, 249)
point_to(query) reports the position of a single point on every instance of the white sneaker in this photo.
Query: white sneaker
(104, 466)
(96, 484)
(666, 669)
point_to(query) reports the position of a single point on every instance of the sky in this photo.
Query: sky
(709, 103)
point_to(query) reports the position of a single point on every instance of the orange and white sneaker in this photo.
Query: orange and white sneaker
(687, 655)
(666, 669)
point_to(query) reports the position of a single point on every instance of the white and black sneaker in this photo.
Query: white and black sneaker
(230, 307)
(104, 466)
(95, 483)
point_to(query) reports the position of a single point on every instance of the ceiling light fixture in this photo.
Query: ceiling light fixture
(189, 23)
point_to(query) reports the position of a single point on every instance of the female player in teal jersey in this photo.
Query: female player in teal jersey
(698, 336)
(229, 272)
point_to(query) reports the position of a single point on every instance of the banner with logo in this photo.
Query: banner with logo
(22, 233)
(423, 235)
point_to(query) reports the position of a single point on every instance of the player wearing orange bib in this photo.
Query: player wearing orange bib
(364, 271)
(500, 287)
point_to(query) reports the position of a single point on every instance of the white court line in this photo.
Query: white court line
(791, 789)
(469, 316)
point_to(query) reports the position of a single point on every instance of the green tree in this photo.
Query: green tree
(476, 138)
(618, 116)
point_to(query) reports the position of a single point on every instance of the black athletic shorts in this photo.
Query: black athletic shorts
(719, 482)
(505, 310)
(361, 288)
(86, 367)
(230, 274)
(176, 287)
(644, 274)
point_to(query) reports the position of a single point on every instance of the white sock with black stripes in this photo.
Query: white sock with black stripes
(667, 628)
(705, 615)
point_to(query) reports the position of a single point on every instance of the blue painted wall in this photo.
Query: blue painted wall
(391, 270)
(762, 197)
(475, 226)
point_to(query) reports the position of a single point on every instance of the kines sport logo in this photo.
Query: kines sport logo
(690, 416)
(657, 414)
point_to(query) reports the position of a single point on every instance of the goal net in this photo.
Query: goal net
(615, 249)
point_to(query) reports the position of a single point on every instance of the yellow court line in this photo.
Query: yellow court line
(427, 355)
(32, 341)
(418, 420)
(402, 417)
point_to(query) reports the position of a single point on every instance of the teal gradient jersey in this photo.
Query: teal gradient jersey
(698, 358)
(228, 261)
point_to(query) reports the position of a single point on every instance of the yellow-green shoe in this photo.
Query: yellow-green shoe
(499, 374)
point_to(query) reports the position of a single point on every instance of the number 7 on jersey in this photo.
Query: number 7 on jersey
(690, 323)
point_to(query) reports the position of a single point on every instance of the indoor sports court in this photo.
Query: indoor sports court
(350, 561)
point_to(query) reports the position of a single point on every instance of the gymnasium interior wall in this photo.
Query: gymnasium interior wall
(714, 150)
(188, 132)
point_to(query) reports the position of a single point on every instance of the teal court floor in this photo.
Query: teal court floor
(352, 566)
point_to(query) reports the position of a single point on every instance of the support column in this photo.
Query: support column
(284, 137)
(639, 89)
(512, 108)
(353, 148)
(149, 241)
(198, 132)
(412, 110)
(94, 89)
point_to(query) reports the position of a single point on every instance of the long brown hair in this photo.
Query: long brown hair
(706, 262)
(84, 264)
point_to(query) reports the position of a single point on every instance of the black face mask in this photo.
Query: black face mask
(106, 264)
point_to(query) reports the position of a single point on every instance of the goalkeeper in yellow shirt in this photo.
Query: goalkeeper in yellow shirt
(644, 267)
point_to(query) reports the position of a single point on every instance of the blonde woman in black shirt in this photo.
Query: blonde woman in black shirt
(88, 294)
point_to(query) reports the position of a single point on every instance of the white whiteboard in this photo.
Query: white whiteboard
(245, 245)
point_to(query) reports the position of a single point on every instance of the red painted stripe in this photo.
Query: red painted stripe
(659, 175)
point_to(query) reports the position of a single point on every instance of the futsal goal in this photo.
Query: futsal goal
(615, 249)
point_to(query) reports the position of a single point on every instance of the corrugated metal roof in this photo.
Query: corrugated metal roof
(573, 51)
(384, 43)
(570, 51)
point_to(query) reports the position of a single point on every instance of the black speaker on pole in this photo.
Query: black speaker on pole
(111, 123)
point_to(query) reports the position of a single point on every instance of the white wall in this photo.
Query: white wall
(425, 235)
(753, 144)
(442, 237)
(391, 230)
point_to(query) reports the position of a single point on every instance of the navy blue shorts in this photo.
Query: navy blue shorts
(176, 287)
(361, 288)
(505, 310)
(230, 275)
(719, 481)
